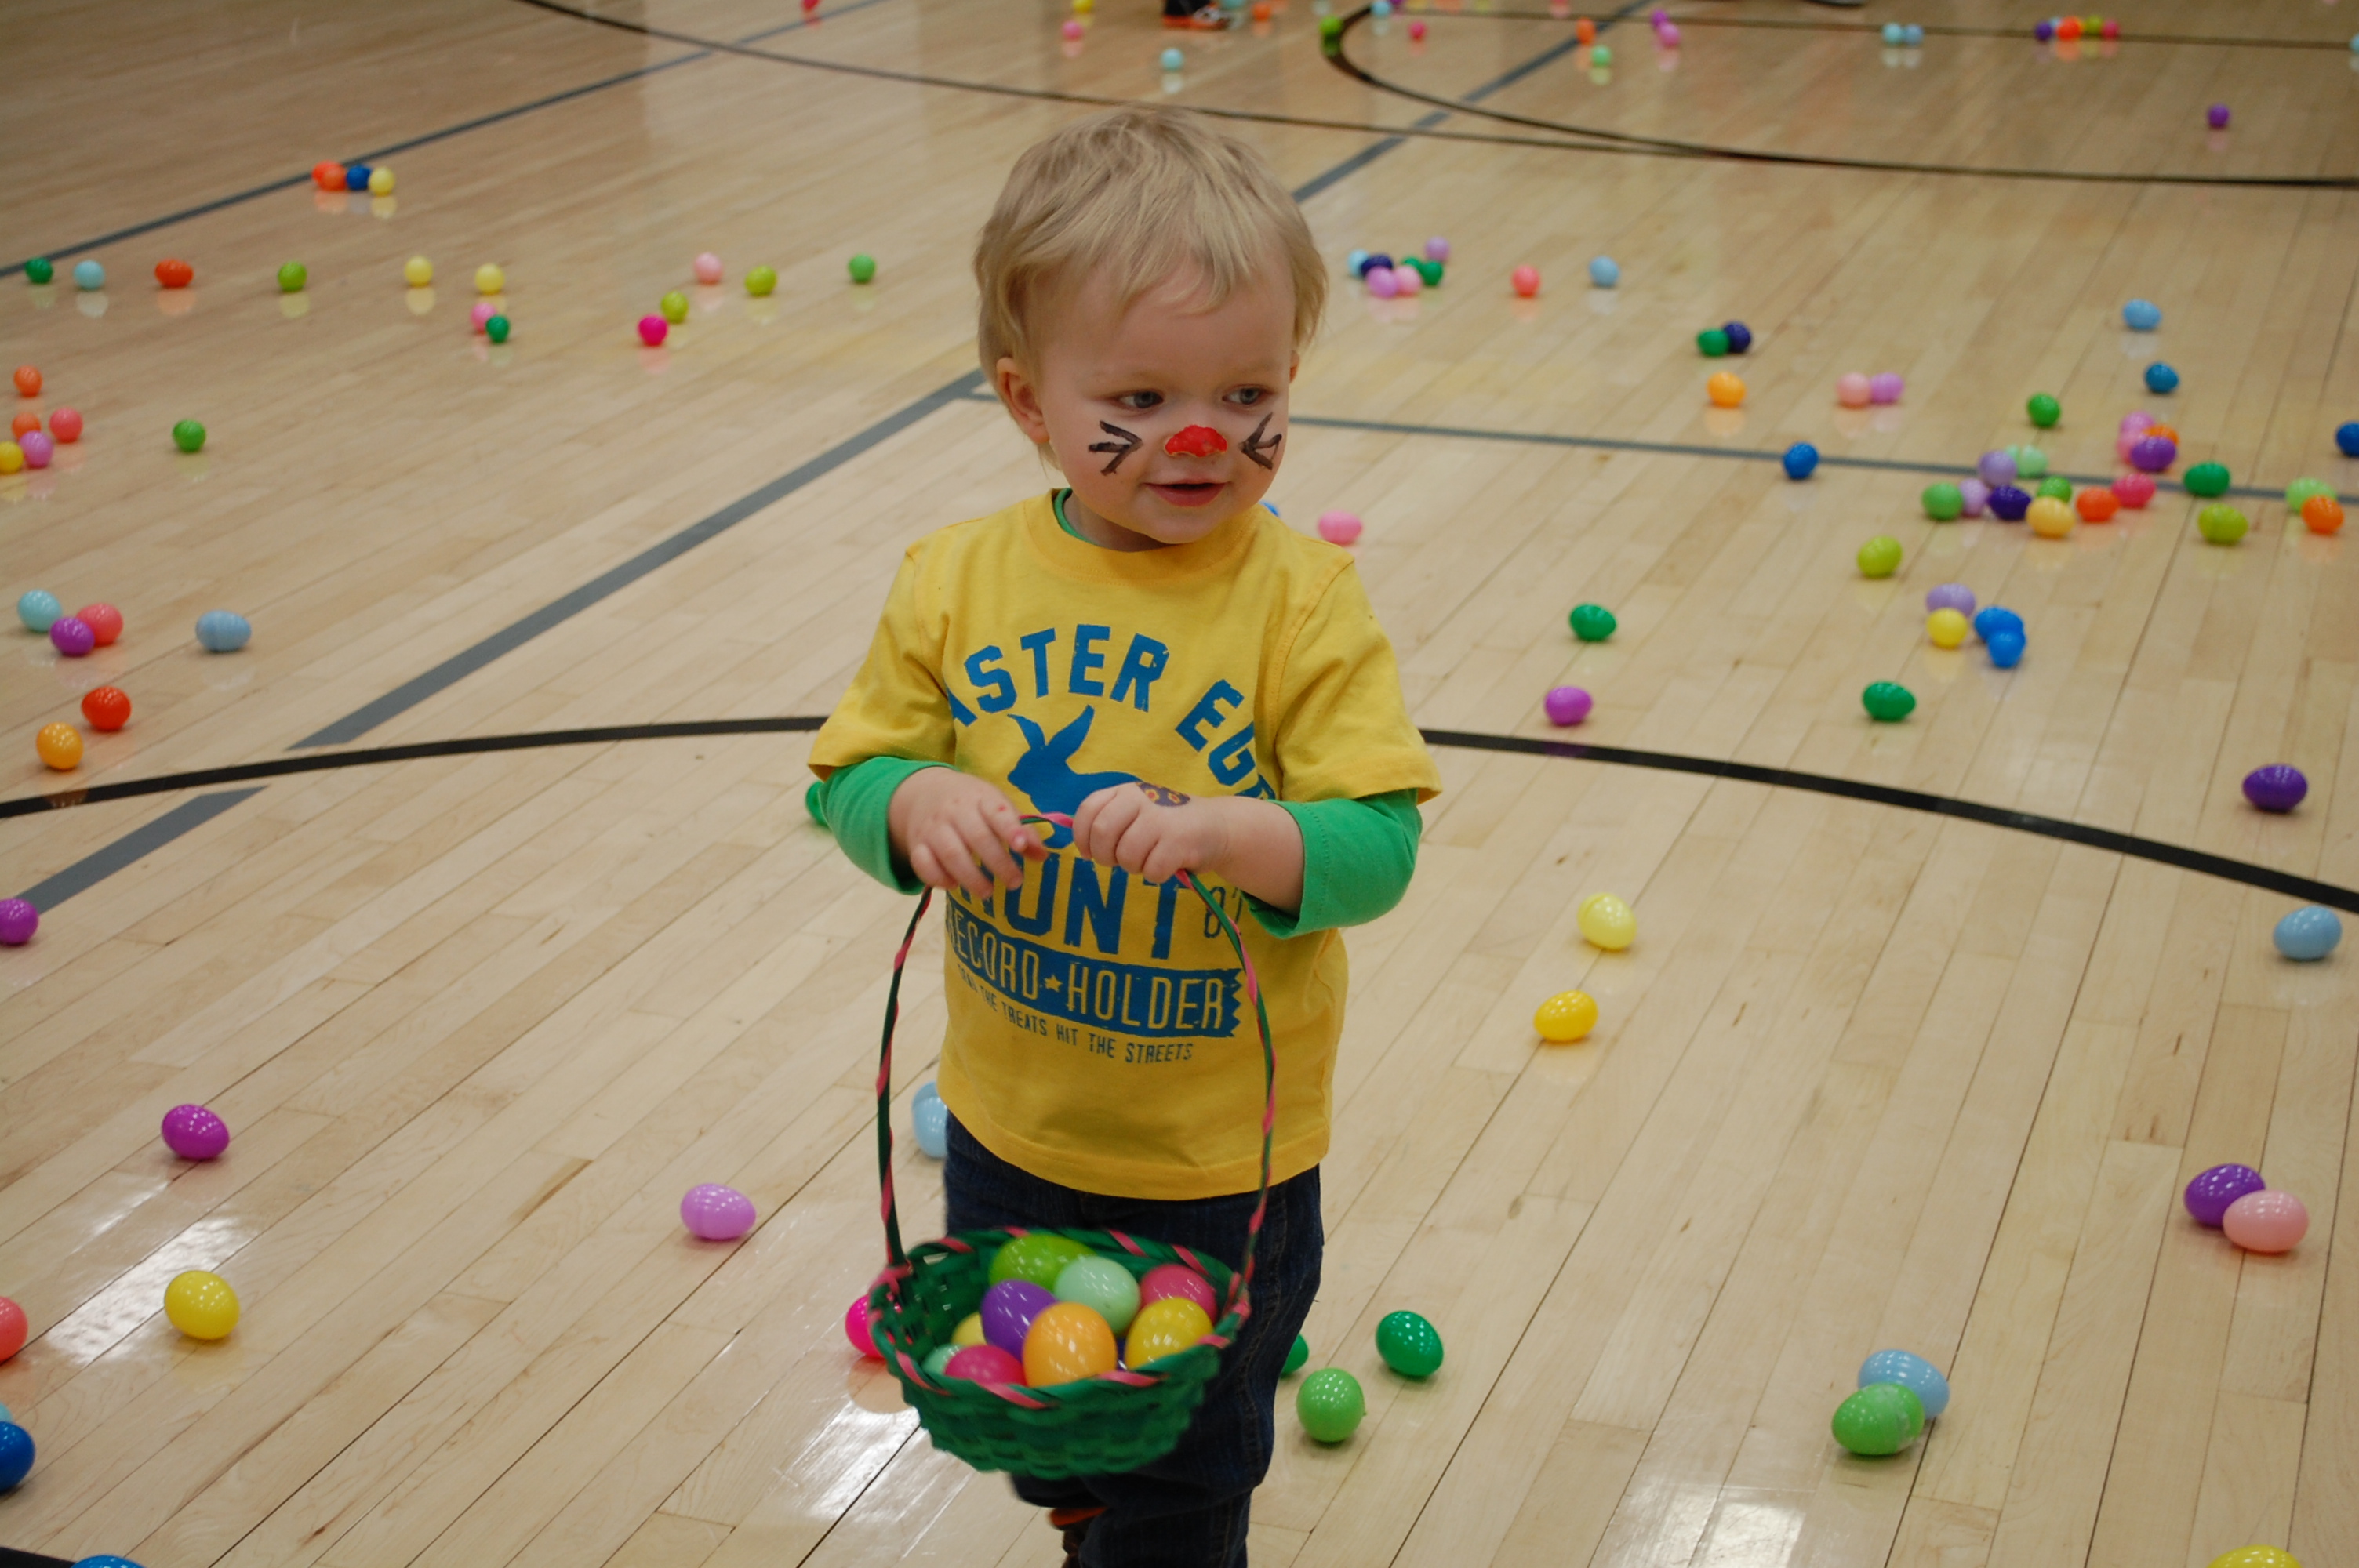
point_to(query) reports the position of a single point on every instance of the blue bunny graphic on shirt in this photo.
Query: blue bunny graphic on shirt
(1045, 773)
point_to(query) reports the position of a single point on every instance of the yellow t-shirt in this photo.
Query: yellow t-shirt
(1099, 1033)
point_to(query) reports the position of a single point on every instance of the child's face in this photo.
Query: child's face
(1124, 398)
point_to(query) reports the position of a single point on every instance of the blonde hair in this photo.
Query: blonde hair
(1135, 195)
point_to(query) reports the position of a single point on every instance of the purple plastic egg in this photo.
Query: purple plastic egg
(1008, 1309)
(1975, 495)
(195, 1133)
(1437, 249)
(1996, 468)
(2043, 31)
(1885, 387)
(2008, 505)
(72, 636)
(2209, 1195)
(18, 921)
(1568, 704)
(2152, 454)
(716, 1213)
(1954, 595)
(38, 449)
(1382, 283)
(2216, 116)
(2278, 787)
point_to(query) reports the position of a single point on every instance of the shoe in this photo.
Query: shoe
(1211, 20)
(1075, 1523)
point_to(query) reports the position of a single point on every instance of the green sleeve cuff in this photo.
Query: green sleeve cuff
(854, 803)
(1357, 859)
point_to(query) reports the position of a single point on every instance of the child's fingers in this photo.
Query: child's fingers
(1009, 826)
(985, 843)
(1103, 819)
(956, 862)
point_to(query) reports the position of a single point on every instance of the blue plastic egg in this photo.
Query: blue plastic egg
(1356, 263)
(1892, 35)
(2160, 377)
(1603, 274)
(88, 275)
(2141, 315)
(2006, 648)
(107, 1560)
(1801, 460)
(1173, 59)
(1913, 37)
(15, 1454)
(1997, 618)
(222, 630)
(2346, 438)
(356, 177)
(38, 610)
(2308, 934)
(933, 1121)
(1914, 1373)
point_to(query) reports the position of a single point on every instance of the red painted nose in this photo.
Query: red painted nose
(1196, 441)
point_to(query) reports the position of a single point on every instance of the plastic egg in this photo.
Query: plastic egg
(201, 1305)
(38, 610)
(16, 1456)
(1954, 595)
(2267, 1222)
(1103, 1285)
(1853, 390)
(2209, 1193)
(106, 622)
(1801, 460)
(985, 1363)
(1410, 1344)
(2006, 648)
(2277, 787)
(1996, 468)
(2133, 490)
(1725, 389)
(2051, 518)
(1992, 619)
(1068, 1342)
(1946, 628)
(58, 746)
(1008, 1309)
(1170, 1281)
(969, 1330)
(716, 1213)
(1567, 704)
(1383, 282)
(707, 268)
(2220, 524)
(195, 1132)
(1163, 1328)
(1914, 1373)
(1407, 279)
(1592, 623)
(380, 181)
(1172, 60)
(1604, 271)
(855, 1329)
(2141, 316)
(222, 630)
(761, 280)
(1880, 557)
(65, 425)
(1973, 497)
(2243, 1556)
(931, 1119)
(1566, 1017)
(1339, 527)
(1887, 702)
(417, 271)
(1881, 1419)
(1329, 1404)
(1039, 1257)
(1885, 387)
(653, 330)
(18, 922)
(106, 708)
(2308, 933)
(490, 279)
(38, 449)
(1607, 922)
(89, 276)
(2322, 514)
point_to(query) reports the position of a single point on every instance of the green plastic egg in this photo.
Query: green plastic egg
(1889, 702)
(2055, 487)
(1409, 1345)
(1329, 1404)
(2030, 462)
(1713, 342)
(937, 1360)
(189, 436)
(2220, 524)
(1295, 1357)
(2207, 479)
(1103, 1285)
(760, 280)
(1038, 1257)
(292, 277)
(2301, 490)
(1943, 502)
(1880, 557)
(1428, 270)
(1592, 623)
(674, 307)
(1881, 1419)
(40, 269)
(862, 267)
(2045, 411)
(496, 328)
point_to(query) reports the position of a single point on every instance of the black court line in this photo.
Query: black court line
(1696, 19)
(108, 859)
(497, 117)
(1666, 146)
(2250, 875)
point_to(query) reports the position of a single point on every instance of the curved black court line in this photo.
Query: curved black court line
(1700, 19)
(1664, 146)
(291, 181)
(2103, 839)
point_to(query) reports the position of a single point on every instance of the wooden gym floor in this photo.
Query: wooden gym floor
(1870, 1077)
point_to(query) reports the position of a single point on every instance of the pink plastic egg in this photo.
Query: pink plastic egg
(1885, 387)
(1383, 282)
(2267, 1222)
(653, 330)
(18, 921)
(985, 1363)
(855, 1329)
(1666, 34)
(1852, 391)
(1339, 527)
(2136, 421)
(1567, 704)
(1072, 29)
(1416, 32)
(1974, 495)
(66, 425)
(1408, 280)
(714, 1212)
(1525, 281)
(1177, 1280)
(708, 268)
(193, 1133)
(38, 449)
(483, 311)
(2134, 490)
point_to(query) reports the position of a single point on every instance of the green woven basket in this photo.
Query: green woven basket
(1099, 1426)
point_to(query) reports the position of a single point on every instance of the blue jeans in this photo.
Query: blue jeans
(1188, 1509)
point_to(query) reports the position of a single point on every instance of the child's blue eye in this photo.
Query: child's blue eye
(1139, 401)
(1246, 396)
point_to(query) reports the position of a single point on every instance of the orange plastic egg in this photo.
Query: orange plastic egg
(2322, 513)
(25, 423)
(1726, 389)
(1067, 1343)
(59, 746)
(28, 382)
(2164, 432)
(2097, 505)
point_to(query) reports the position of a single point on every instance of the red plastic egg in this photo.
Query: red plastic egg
(105, 622)
(174, 273)
(106, 708)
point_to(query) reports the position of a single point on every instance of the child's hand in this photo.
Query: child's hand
(1154, 832)
(955, 829)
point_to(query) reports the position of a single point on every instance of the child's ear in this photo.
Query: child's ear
(1291, 366)
(1021, 399)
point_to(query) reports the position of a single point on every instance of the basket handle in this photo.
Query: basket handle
(898, 1260)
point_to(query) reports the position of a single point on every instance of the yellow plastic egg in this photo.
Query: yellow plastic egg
(2051, 518)
(1607, 922)
(1566, 1017)
(1163, 1328)
(1948, 628)
(380, 182)
(59, 746)
(969, 1331)
(201, 1305)
(490, 279)
(417, 271)
(12, 457)
(1067, 1343)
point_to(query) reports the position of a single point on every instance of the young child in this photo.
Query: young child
(1152, 653)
